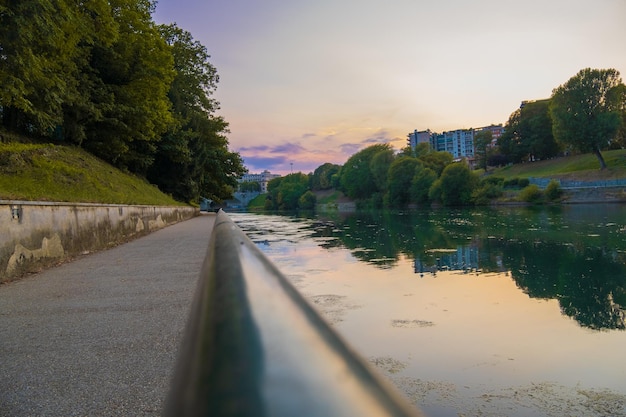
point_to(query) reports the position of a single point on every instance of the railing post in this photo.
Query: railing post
(254, 347)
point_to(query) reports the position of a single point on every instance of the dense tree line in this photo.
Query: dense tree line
(103, 76)
(586, 114)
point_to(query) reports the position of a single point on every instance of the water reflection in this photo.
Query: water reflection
(574, 254)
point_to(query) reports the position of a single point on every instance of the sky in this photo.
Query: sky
(305, 82)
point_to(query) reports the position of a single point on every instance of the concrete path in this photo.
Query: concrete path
(99, 336)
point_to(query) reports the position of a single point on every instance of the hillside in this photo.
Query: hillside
(45, 172)
(578, 167)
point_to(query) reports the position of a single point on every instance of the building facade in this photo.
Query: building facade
(263, 178)
(415, 138)
(459, 143)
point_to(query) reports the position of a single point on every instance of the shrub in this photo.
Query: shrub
(492, 180)
(530, 194)
(457, 183)
(307, 201)
(511, 182)
(483, 195)
(553, 191)
(523, 182)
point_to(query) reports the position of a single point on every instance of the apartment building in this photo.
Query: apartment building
(459, 143)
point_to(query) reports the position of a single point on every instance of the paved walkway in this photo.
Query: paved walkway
(99, 336)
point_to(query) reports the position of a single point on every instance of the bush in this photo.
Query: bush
(530, 194)
(483, 195)
(511, 182)
(553, 191)
(516, 183)
(492, 180)
(457, 183)
(307, 201)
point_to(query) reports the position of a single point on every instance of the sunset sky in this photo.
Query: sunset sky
(305, 82)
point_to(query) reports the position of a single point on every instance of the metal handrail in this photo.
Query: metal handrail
(254, 347)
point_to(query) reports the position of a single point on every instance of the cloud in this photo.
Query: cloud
(293, 148)
(290, 157)
(381, 136)
(260, 148)
(350, 148)
(256, 163)
(293, 156)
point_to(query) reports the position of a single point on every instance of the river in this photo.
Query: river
(512, 311)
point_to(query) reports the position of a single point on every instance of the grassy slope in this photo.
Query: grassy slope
(43, 172)
(580, 167)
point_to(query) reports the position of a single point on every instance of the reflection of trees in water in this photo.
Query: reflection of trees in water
(588, 282)
(549, 255)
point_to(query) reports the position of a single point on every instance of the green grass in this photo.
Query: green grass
(257, 203)
(44, 172)
(581, 167)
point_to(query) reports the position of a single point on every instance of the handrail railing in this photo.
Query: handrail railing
(254, 347)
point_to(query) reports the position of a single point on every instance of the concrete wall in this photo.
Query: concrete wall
(34, 235)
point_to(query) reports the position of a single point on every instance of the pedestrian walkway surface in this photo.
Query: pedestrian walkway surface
(99, 336)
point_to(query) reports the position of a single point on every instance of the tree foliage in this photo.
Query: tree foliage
(249, 187)
(102, 75)
(587, 110)
(528, 133)
(482, 142)
(401, 173)
(133, 76)
(193, 159)
(455, 185)
(380, 166)
(286, 193)
(322, 178)
(356, 176)
(437, 161)
(421, 183)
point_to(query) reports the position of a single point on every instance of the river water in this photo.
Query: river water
(510, 311)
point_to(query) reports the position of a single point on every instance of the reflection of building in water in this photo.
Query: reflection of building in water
(463, 258)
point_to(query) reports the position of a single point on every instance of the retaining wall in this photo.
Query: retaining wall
(34, 235)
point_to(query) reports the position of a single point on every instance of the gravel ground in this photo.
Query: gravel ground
(99, 336)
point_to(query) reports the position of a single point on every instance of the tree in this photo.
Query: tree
(323, 175)
(401, 173)
(356, 176)
(192, 157)
(379, 167)
(456, 184)
(619, 142)
(307, 201)
(536, 130)
(285, 192)
(43, 47)
(510, 142)
(587, 110)
(528, 133)
(482, 142)
(249, 187)
(421, 183)
(134, 75)
(436, 161)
